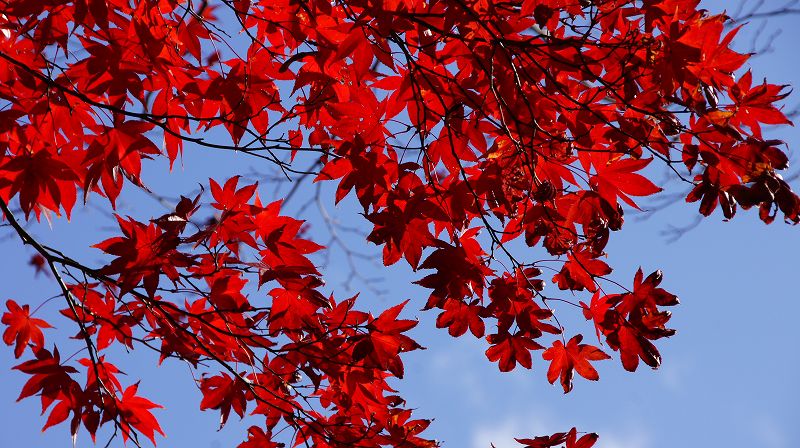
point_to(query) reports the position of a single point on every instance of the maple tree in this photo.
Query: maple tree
(491, 145)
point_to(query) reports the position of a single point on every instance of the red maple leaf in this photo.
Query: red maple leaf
(224, 393)
(135, 414)
(565, 360)
(754, 106)
(580, 270)
(258, 438)
(39, 264)
(22, 328)
(385, 340)
(544, 441)
(508, 350)
(52, 381)
(586, 440)
(42, 179)
(458, 316)
(619, 178)
(716, 62)
(143, 254)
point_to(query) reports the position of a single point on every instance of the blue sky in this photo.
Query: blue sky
(729, 376)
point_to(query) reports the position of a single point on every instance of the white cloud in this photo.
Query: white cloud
(636, 438)
(672, 375)
(769, 432)
(455, 372)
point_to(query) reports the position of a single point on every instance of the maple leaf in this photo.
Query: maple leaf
(630, 320)
(403, 226)
(716, 62)
(42, 179)
(23, 329)
(544, 441)
(600, 310)
(508, 350)
(143, 254)
(100, 315)
(754, 106)
(52, 381)
(103, 372)
(646, 293)
(116, 155)
(48, 376)
(293, 309)
(460, 271)
(619, 178)
(258, 438)
(228, 197)
(459, 316)
(226, 291)
(585, 441)
(39, 265)
(386, 340)
(564, 360)
(224, 393)
(135, 414)
(403, 430)
(580, 270)
(367, 172)
(633, 346)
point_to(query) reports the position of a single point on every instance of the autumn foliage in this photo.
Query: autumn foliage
(493, 146)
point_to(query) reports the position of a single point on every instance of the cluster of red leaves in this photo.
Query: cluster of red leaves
(101, 400)
(301, 347)
(461, 126)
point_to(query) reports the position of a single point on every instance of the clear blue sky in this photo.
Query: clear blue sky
(729, 376)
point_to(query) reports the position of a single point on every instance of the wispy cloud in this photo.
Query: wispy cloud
(635, 438)
(452, 370)
(673, 374)
(769, 432)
